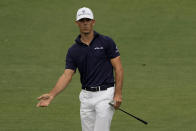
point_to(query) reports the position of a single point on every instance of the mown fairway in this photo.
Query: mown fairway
(156, 39)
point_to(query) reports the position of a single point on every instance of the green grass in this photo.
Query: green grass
(156, 39)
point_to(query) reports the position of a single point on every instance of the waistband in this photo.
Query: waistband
(98, 88)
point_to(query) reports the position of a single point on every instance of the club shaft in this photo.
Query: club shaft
(133, 116)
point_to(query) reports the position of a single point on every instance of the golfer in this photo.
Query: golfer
(95, 56)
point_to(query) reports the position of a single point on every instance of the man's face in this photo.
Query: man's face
(85, 25)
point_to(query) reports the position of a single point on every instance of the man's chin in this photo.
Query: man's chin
(86, 32)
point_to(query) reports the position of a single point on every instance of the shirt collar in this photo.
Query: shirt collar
(77, 40)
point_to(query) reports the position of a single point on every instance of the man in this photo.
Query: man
(95, 56)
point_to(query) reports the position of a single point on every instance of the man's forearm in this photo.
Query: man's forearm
(61, 84)
(116, 63)
(119, 82)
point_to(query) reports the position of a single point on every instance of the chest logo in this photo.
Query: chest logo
(99, 48)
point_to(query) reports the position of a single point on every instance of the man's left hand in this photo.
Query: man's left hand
(117, 101)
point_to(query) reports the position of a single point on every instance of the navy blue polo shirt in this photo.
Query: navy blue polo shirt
(93, 61)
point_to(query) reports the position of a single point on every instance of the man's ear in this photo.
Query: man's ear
(94, 22)
(76, 22)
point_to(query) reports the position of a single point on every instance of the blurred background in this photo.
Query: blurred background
(156, 39)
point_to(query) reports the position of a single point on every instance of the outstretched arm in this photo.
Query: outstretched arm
(116, 63)
(61, 84)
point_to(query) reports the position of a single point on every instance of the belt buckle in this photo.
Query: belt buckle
(97, 88)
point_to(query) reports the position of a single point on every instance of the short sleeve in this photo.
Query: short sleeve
(111, 50)
(70, 64)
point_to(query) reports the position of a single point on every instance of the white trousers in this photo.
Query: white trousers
(95, 112)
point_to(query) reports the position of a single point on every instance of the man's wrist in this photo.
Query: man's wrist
(118, 92)
(51, 95)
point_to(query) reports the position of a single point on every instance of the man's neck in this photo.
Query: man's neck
(87, 38)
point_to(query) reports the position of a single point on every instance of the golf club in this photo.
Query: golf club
(130, 114)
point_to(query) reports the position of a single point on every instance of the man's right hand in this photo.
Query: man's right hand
(44, 100)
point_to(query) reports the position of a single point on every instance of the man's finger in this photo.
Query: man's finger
(42, 104)
(43, 97)
(117, 104)
(38, 104)
(39, 98)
